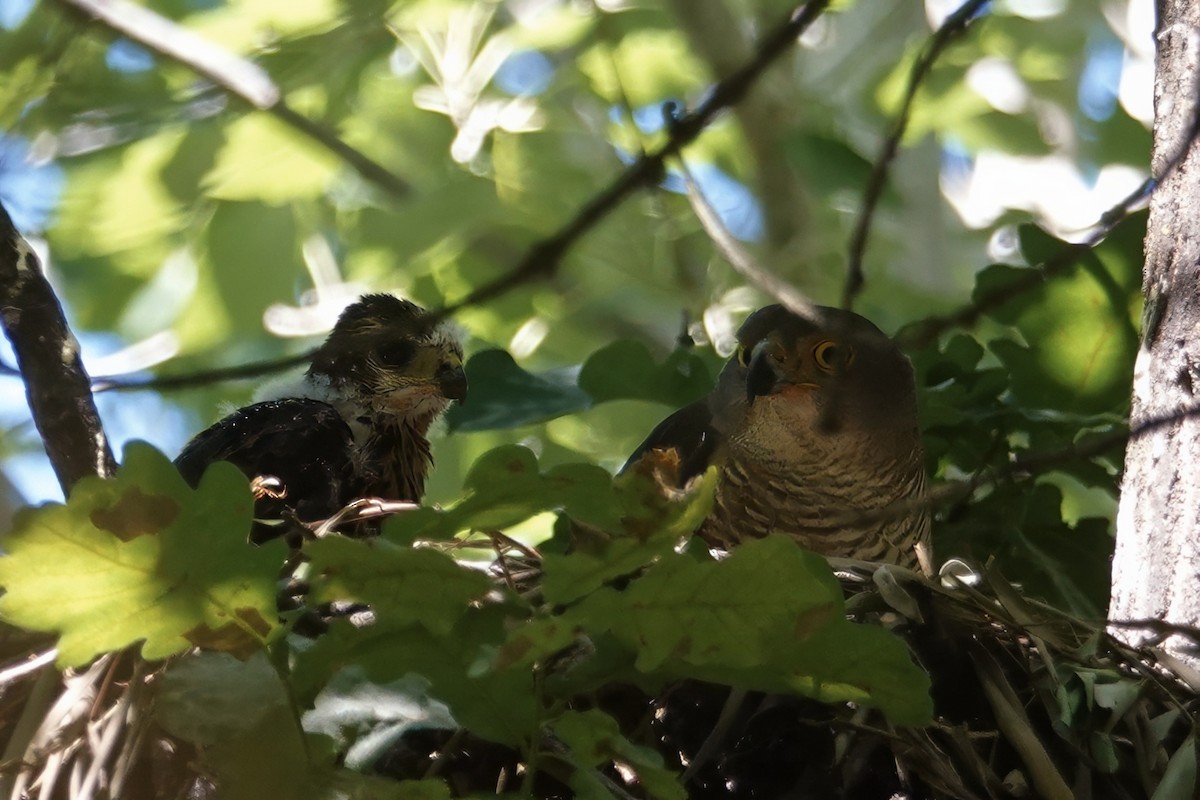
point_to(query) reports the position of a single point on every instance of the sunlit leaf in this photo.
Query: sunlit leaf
(648, 66)
(1078, 325)
(264, 159)
(142, 557)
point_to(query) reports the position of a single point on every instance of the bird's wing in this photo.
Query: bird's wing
(304, 443)
(688, 435)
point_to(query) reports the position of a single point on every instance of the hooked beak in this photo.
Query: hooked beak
(452, 383)
(761, 378)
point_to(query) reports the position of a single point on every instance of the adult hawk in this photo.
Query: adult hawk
(813, 427)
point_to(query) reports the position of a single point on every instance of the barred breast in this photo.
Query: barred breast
(832, 507)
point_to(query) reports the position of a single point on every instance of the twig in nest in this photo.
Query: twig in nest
(31, 664)
(360, 510)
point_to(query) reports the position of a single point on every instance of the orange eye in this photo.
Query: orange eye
(829, 355)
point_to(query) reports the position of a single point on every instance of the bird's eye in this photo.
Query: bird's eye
(397, 354)
(829, 355)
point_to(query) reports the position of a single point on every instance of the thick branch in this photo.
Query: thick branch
(1158, 521)
(56, 384)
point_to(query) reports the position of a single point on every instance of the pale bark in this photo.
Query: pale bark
(1156, 569)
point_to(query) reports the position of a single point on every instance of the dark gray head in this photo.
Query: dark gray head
(840, 375)
(390, 355)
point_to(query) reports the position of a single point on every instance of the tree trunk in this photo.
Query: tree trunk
(1155, 569)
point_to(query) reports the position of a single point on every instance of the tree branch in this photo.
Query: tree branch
(955, 25)
(543, 258)
(741, 260)
(237, 76)
(56, 383)
(930, 328)
(253, 369)
(764, 115)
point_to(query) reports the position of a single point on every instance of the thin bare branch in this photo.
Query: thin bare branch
(741, 260)
(954, 26)
(543, 259)
(254, 369)
(237, 76)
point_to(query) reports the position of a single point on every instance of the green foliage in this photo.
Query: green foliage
(1081, 326)
(509, 396)
(1054, 378)
(769, 617)
(626, 607)
(594, 739)
(143, 558)
(185, 216)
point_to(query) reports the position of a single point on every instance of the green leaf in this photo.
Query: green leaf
(652, 523)
(268, 760)
(720, 612)
(536, 640)
(402, 585)
(508, 396)
(420, 790)
(1079, 324)
(830, 164)
(1179, 780)
(183, 172)
(498, 704)
(652, 65)
(505, 396)
(207, 698)
(595, 739)
(254, 251)
(366, 720)
(264, 159)
(142, 557)
(1022, 528)
(768, 617)
(506, 487)
(625, 370)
